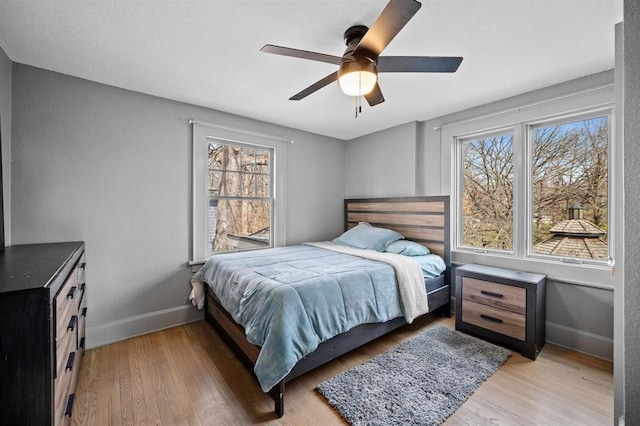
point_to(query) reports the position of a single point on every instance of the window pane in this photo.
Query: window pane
(231, 184)
(215, 156)
(263, 161)
(239, 224)
(248, 185)
(487, 192)
(214, 183)
(570, 189)
(262, 186)
(247, 160)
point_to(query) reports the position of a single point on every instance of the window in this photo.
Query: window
(555, 160)
(238, 190)
(562, 183)
(569, 188)
(487, 191)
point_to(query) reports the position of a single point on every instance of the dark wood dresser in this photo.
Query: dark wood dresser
(42, 312)
(502, 305)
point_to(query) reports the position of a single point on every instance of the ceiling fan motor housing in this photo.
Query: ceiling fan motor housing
(352, 38)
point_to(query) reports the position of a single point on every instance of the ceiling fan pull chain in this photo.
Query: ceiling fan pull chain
(359, 102)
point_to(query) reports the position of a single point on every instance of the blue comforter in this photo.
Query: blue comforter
(290, 299)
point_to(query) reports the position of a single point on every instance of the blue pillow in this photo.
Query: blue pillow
(432, 265)
(365, 236)
(407, 248)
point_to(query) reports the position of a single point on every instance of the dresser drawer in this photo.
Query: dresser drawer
(64, 345)
(66, 302)
(500, 296)
(82, 317)
(499, 320)
(63, 385)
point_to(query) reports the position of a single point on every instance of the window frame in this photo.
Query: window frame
(592, 101)
(202, 134)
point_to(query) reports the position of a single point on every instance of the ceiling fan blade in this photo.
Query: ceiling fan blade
(302, 54)
(418, 63)
(315, 87)
(392, 19)
(374, 97)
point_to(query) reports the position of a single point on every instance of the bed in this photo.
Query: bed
(375, 296)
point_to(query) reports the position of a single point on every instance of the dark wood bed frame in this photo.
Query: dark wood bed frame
(421, 219)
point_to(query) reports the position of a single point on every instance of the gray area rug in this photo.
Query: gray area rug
(420, 382)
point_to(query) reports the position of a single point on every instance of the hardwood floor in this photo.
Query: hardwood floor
(187, 375)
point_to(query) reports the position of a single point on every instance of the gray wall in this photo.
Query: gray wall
(578, 317)
(5, 124)
(382, 164)
(112, 167)
(631, 300)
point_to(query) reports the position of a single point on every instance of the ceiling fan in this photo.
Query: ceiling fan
(361, 62)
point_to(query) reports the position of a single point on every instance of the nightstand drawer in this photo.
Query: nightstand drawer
(499, 320)
(500, 296)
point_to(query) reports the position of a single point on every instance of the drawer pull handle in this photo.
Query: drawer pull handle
(83, 265)
(72, 323)
(491, 294)
(82, 286)
(70, 360)
(81, 345)
(72, 292)
(490, 318)
(67, 411)
(84, 312)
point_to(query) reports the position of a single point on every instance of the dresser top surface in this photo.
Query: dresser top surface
(32, 266)
(472, 269)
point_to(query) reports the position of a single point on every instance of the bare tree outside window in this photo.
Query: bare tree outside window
(487, 196)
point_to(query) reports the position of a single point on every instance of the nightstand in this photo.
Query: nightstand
(502, 305)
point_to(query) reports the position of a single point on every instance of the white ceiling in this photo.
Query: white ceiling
(206, 52)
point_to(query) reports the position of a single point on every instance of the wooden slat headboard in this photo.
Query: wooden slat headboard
(421, 219)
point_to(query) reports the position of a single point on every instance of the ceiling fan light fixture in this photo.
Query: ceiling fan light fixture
(358, 77)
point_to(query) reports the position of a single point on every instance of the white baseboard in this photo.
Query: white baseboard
(125, 328)
(580, 341)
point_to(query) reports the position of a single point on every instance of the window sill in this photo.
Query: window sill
(579, 274)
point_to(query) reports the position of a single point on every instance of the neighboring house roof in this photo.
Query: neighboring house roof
(575, 237)
(569, 246)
